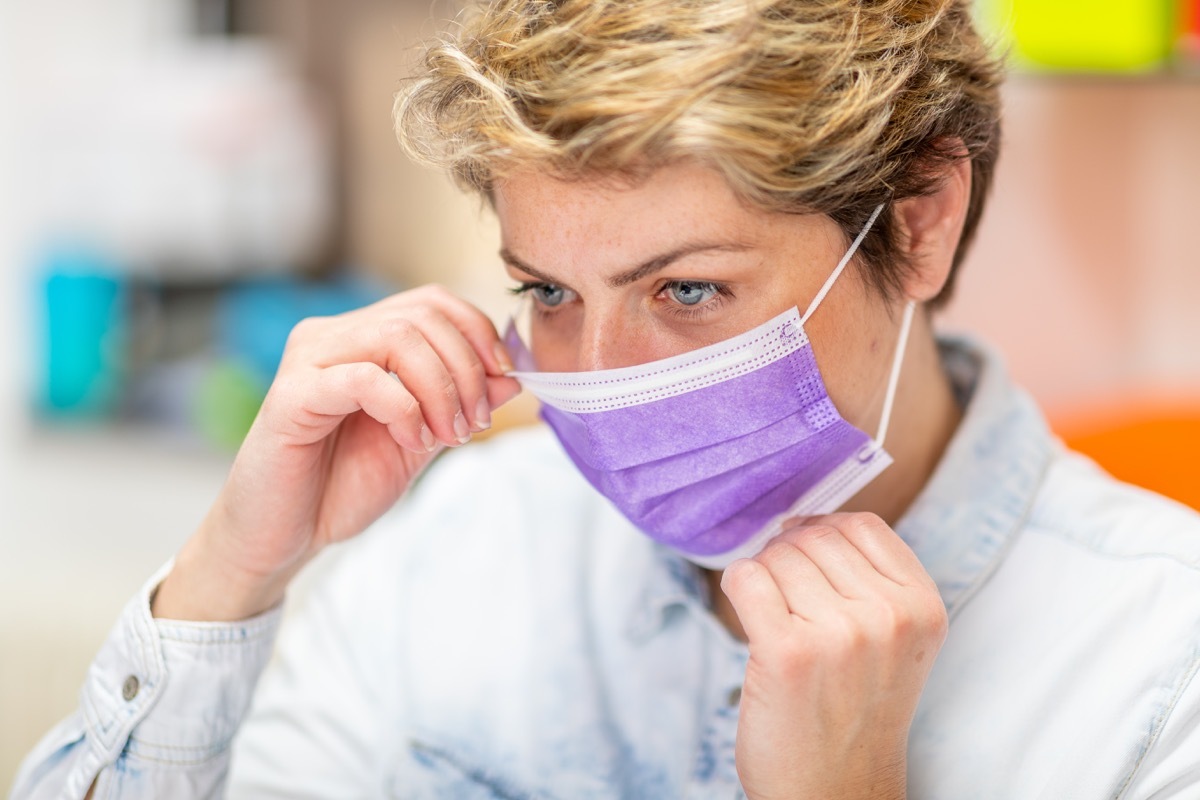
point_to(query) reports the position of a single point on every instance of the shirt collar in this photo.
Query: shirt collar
(960, 525)
(670, 585)
(979, 496)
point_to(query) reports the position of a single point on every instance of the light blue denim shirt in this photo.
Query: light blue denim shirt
(504, 633)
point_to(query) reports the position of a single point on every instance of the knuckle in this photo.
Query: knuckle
(846, 634)
(475, 363)
(911, 620)
(392, 302)
(867, 523)
(794, 660)
(775, 552)
(397, 329)
(892, 622)
(469, 368)
(815, 534)
(421, 311)
(283, 395)
(432, 291)
(362, 376)
(936, 619)
(305, 330)
(410, 409)
(823, 532)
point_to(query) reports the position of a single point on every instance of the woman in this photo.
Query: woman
(732, 220)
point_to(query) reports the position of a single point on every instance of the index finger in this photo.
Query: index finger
(880, 545)
(474, 325)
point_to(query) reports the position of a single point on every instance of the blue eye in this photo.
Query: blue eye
(548, 294)
(545, 295)
(691, 293)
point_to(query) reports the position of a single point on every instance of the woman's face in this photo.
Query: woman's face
(624, 274)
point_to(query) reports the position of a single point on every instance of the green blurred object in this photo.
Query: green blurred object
(228, 399)
(1106, 36)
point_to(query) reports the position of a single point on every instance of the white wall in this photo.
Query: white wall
(10, 225)
(82, 516)
(52, 53)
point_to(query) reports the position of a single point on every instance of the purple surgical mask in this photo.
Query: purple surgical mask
(708, 452)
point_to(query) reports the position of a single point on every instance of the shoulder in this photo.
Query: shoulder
(1078, 648)
(1082, 504)
(1119, 569)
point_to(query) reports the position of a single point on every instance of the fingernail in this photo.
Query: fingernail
(502, 357)
(461, 429)
(483, 415)
(427, 438)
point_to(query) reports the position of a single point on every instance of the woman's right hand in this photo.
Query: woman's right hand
(337, 441)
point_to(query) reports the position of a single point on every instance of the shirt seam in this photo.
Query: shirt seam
(1192, 669)
(1019, 528)
(1160, 725)
(222, 638)
(1145, 555)
(189, 755)
(238, 632)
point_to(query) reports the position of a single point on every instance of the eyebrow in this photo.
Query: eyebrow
(644, 269)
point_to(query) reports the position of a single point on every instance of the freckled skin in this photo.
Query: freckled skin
(582, 232)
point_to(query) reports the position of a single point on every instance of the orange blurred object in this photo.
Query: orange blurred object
(1151, 444)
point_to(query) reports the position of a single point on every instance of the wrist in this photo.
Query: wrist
(881, 778)
(202, 586)
(865, 774)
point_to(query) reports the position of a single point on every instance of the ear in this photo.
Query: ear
(930, 227)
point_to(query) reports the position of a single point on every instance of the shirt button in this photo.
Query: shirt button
(129, 689)
(735, 696)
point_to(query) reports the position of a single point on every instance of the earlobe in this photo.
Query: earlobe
(929, 228)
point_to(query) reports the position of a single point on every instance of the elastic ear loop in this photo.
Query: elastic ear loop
(816, 301)
(893, 380)
(901, 343)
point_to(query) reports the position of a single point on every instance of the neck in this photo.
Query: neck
(924, 419)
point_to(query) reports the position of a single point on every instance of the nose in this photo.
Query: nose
(609, 342)
(595, 344)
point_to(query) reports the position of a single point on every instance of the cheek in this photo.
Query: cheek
(567, 342)
(554, 343)
(855, 371)
(843, 353)
(552, 356)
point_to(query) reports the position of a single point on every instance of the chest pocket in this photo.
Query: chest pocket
(428, 767)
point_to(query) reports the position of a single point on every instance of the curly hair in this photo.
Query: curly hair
(804, 106)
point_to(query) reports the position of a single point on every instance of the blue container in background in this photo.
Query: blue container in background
(84, 333)
(251, 327)
(254, 318)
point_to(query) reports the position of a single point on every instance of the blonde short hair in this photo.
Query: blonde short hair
(805, 106)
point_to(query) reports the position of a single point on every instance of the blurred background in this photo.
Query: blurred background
(183, 180)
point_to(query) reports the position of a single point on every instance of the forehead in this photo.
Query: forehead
(541, 214)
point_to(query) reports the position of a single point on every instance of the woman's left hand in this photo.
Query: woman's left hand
(843, 625)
